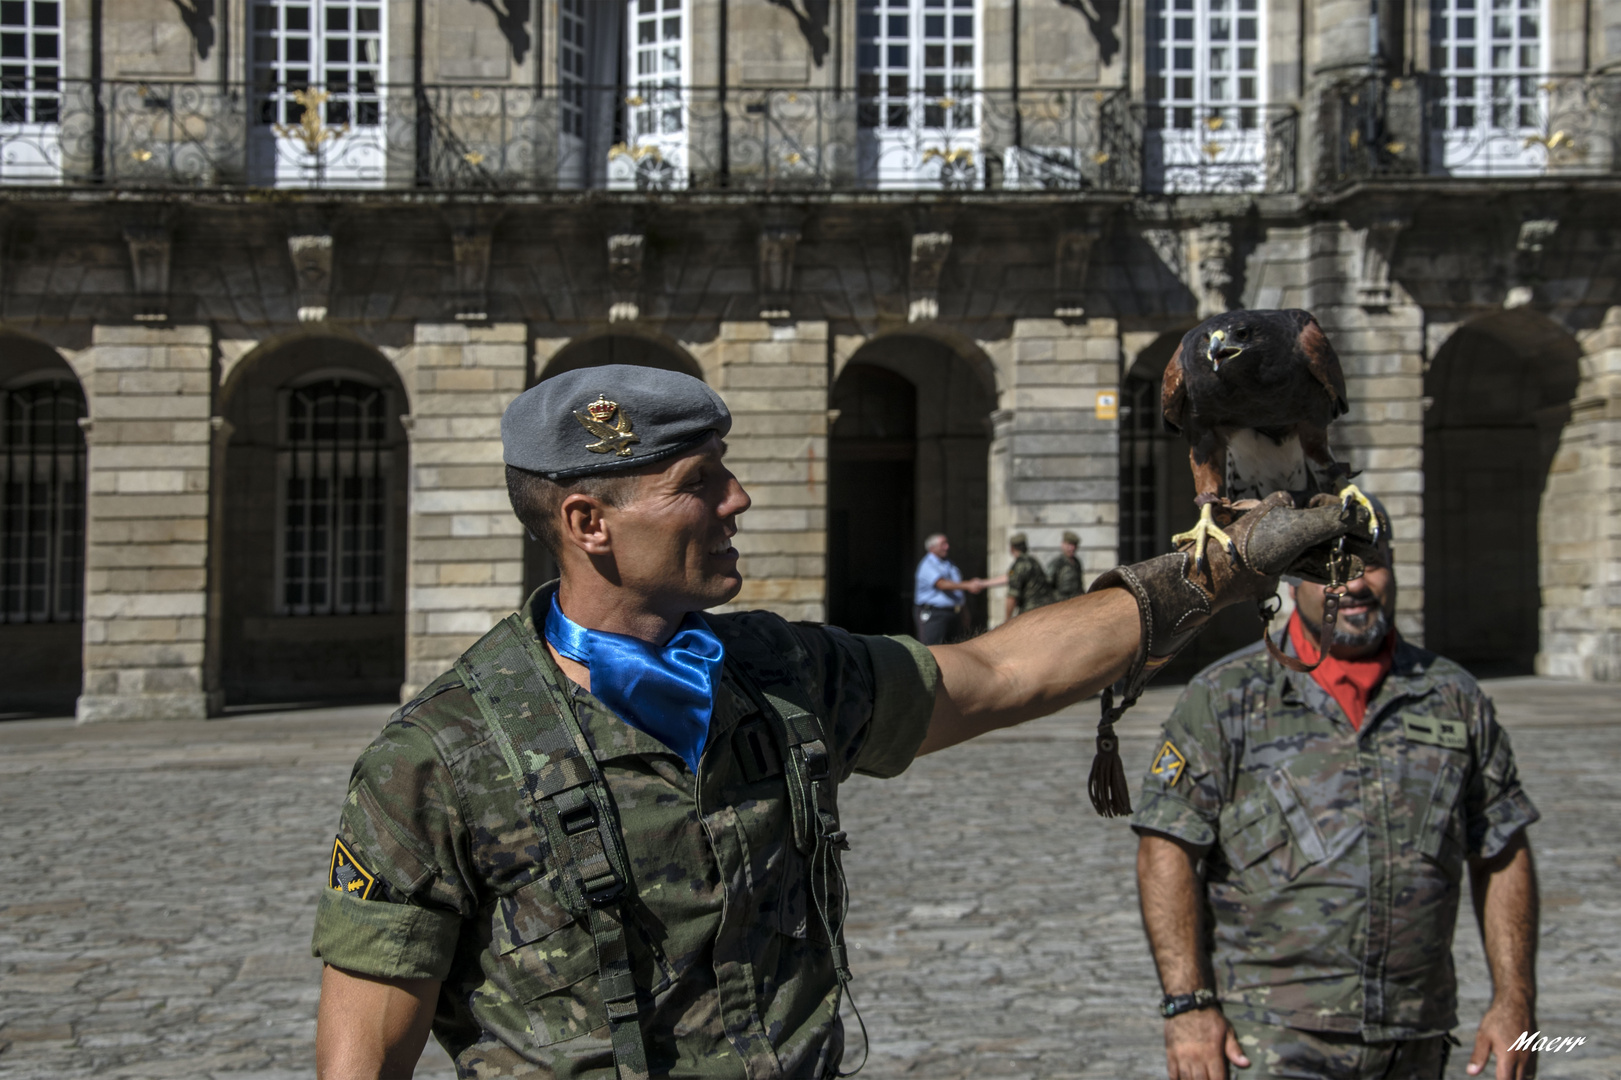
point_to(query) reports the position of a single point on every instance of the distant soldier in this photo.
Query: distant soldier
(1027, 584)
(1065, 569)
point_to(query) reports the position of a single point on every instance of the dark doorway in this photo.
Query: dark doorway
(311, 588)
(872, 451)
(1499, 393)
(1156, 501)
(42, 523)
(875, 547)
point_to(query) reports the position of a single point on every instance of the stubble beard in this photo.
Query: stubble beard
(1371, 633)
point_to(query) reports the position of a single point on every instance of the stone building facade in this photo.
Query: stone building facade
(271, 270)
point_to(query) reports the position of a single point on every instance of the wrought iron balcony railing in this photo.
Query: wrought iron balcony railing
(650, 138)
(1471, 126)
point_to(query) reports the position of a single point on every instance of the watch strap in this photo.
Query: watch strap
(1176, 1004)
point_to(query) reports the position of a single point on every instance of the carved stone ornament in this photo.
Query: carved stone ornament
(625, 276)
(149, 250)
(929, 251)
(1535, 236)
(1071, 258)
(778, 244)
(471, 248)
(1213, 246)
(312, 274)
(1378, 253)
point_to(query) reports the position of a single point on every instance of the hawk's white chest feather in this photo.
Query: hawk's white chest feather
(1257, 465)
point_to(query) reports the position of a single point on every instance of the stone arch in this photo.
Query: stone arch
(308, 582)
(890, 487)
(1156, 498)
(43, 494)
(965, 349)
(612, 345)
(1497, 397)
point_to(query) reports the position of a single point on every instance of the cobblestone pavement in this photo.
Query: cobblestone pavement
(157, 884)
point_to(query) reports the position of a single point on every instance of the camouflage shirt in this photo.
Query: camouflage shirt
(733, 970)
(1334, 856)
(1027, 584)
(1065, 573)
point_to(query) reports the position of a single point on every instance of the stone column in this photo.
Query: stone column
(774, 379)
(146, 542)
(1381, 350)
(466, 548)
(1055, 464)
(1581, 522)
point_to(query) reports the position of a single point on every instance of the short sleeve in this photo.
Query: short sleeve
(1496, 806)
(904, 678)
(1186, 782)
(394, 897)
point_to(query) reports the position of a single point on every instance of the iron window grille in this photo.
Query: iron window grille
(334, 465)
(42, 508)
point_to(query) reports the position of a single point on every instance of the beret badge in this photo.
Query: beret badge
(616, 438)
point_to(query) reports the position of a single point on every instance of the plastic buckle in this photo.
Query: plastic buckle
(602, 891)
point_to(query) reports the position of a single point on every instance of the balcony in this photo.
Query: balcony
(1483, 126)
(651, 139)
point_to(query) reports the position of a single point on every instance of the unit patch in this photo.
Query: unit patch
(347, 875)
(1435, 731)
(1169, 763)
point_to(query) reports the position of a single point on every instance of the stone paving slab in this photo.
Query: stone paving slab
(157, 883)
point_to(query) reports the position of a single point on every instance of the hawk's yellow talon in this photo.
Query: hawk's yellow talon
(1351, 495)
(1202, 533)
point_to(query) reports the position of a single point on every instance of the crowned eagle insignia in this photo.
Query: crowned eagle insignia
(616, 438)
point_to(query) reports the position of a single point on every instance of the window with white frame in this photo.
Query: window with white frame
(1206, 93)
(655, 150)
(1492, 60)
(916, 72)
(334, 462)
(327, 55)
(30, 90)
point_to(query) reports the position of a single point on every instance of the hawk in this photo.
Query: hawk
(1253, 392)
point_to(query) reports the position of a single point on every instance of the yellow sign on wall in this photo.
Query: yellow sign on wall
(1108, 405)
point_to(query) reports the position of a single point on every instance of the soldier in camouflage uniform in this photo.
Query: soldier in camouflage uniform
(1027, 584)
(606, 843)
(1065, 570)
(1333, 839)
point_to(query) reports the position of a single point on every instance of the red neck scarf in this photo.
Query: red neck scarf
(1352, 683)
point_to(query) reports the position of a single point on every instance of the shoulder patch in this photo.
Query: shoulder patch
(1436, 731)
(1169, 763)
(347, 875)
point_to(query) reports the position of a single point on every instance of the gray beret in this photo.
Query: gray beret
(607, 419)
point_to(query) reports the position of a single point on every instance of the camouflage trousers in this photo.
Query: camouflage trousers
(1292, 1054)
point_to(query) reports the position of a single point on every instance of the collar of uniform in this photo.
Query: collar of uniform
(1408, 680)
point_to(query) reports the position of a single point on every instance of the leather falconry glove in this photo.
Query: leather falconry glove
(1176, 599)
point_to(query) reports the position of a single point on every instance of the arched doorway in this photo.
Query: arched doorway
(42, 527)
(1498, 394)
(1156, 501)
(595, 351)
(313, 518)
(908, 456)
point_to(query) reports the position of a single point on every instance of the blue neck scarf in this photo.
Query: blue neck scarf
(667, 693)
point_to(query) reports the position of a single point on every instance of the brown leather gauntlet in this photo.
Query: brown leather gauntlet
(1175, 600)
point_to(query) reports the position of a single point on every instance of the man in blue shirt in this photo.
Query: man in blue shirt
(937, 592)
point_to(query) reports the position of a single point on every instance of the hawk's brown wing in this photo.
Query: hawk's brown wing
(1173, 398)
(1323, 363)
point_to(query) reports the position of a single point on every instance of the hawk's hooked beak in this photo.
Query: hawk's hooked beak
(1220, 349)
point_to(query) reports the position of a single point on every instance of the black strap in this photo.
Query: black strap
(567, 797)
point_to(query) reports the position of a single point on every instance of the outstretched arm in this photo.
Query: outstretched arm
(369, 1028)
(1034, 665)
(1139, 618)
(1504, 888)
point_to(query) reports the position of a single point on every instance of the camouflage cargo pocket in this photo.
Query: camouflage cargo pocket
(1441, 836)
(547, 963)
(1271, 824)
(797, 913)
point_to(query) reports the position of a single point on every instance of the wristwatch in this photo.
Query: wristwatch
(1176, 1004)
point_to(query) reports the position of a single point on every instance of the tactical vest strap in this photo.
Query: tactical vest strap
(568, 800)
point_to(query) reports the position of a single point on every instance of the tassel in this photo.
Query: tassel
(1111, 797)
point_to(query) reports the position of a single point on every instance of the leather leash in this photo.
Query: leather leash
(1331, 613)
